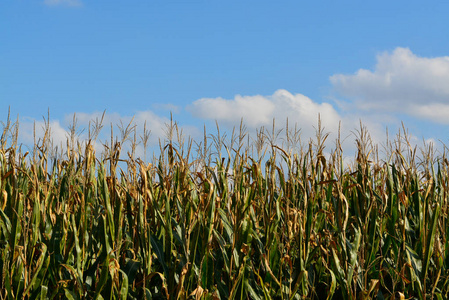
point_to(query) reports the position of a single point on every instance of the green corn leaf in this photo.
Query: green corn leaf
(124, 286)
(333, 285)
(131, 269)
(223, 252)
(226, 224)
(5, 223)
(251, 291)
(103, 279)
(70, 295)
(430, 241)
(37, 269)
(43, 293)
(207, 271)
(354, 249)
(16, 224)
(416, 263)
(7, 282)
(158, 249)
(79, 257)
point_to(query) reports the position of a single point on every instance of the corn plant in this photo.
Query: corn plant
(222, 218)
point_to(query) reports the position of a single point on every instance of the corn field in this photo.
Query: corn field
(223, 218)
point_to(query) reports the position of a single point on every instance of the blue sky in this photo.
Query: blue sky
(379, 61)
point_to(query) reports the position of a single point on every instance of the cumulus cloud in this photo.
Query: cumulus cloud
(400, 82)
(436, 112)
(299, 110)
(257, 111)
(72, 3)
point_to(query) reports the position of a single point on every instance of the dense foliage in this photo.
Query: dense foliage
(215, 220)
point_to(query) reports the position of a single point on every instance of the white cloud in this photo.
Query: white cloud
(72, 3)
(29, 130)
(154, 123)
(260, 110)
(436, 112)
(401, 82)
(59, 131)
(255, 110)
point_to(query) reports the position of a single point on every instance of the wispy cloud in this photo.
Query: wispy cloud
(400, 82)
(72, 3)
